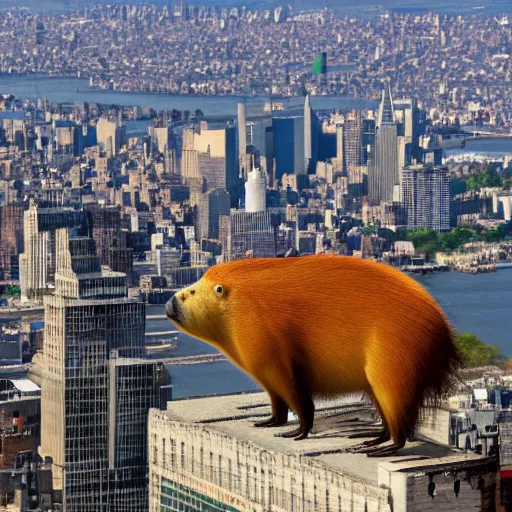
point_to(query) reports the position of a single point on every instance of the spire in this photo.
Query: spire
(386, 110)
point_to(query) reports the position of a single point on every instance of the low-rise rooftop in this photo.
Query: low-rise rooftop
(329, 441)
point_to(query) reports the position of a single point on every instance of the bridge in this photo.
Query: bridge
(201, 359)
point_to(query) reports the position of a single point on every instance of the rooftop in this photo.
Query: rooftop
(234, 415)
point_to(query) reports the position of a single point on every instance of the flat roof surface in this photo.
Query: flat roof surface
(25, 385)
(335, 420)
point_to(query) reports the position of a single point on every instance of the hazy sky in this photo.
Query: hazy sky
(462, 6)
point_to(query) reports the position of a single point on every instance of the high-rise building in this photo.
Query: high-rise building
(216, 154)
(289, 144)
(110, 136)
(96, 386)
(162, 137)
(246, 234)
(255, 191)
(242, 140)
(352, 140)
(104, 224)
(339, 146)
(426, 197)
(212, 205)
(37, 262)
(11, 239)
(308, 132)
(383, 176)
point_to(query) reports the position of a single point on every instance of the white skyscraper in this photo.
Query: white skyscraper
(255, 191)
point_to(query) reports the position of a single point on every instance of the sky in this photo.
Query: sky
(459, 7)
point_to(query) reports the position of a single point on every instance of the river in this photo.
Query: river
(78, 91)
(497, 147)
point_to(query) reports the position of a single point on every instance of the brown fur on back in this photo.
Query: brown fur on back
(341, 324)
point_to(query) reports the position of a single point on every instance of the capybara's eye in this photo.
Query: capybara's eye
(218, 289)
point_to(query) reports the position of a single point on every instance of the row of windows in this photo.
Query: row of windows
(177, 497)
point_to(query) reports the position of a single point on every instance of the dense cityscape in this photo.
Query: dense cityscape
(102, 222)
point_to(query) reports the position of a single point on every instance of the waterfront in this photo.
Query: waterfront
(78, 91)
(498, 147)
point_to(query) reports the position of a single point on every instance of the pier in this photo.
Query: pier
(201, 359)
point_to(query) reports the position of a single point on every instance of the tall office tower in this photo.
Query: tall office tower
(406, 113)
(383, 176)
(110, 136)
(11, 239)
(218, 158)
(37, 262)
(242, 140)
(426, 196)
(212, 169)
(190, 164)
(162, 137)
(212, 205)
(353, 139)
(368, 138)
(256, 191)
(171, 166)
(308, 131)
(96, 388)
(339, 146)
(289, 145)
(104, 224)
(246, 234)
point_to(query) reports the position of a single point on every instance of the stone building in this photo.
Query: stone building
(205, 454)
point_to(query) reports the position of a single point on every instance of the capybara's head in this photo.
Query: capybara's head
(201, 309)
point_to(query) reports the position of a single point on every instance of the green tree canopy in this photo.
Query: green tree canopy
(475, 352)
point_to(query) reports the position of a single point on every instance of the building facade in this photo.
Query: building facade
(205, 454)
(37, 262)
(383, 176)
(96, 386)
(426, 197)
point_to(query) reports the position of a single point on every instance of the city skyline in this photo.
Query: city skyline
(148, 146)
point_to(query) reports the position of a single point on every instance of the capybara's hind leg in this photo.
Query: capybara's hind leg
(279, 413)
(386, 451)
(382, 437)
(394, 410)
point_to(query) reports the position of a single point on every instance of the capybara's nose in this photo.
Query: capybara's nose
(171, 308)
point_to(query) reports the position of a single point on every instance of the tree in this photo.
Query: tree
(475, 352)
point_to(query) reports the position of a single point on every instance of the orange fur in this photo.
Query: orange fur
(326, 325)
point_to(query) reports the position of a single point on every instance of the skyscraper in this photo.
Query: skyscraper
(383, 176)
(289, 145)
(96, 388)
(212, 205)
(243, 234)
(11, 239)
(426, 196)
(352, 139)
(242, 140)
(37, 263)
(308, 148)
(110, 136)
